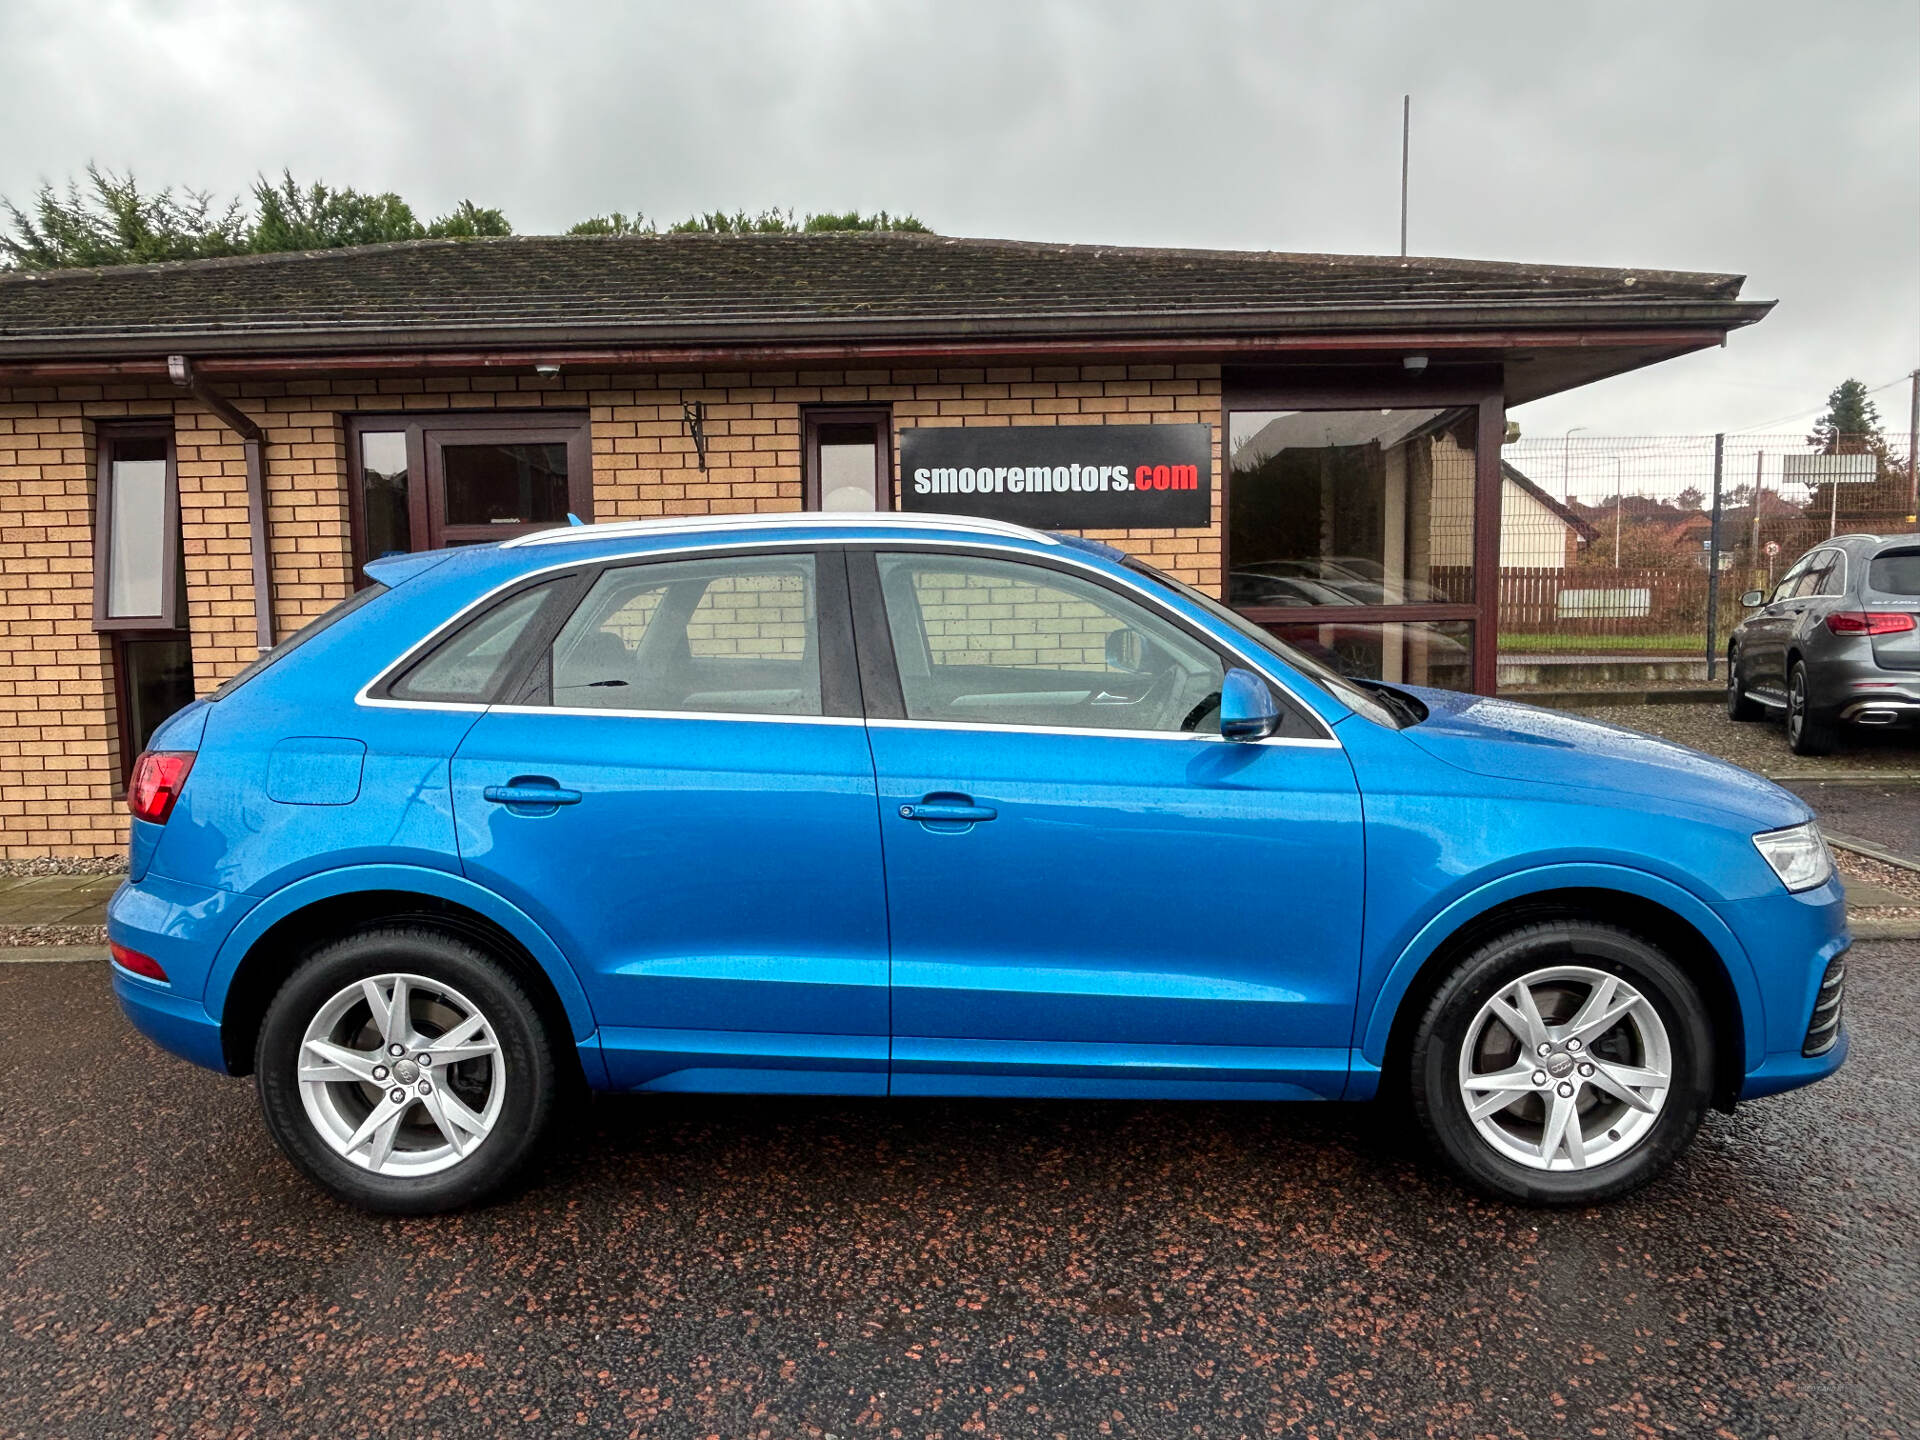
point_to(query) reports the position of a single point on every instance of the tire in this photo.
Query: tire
(1461, 1041)
(1739, 706)
(438, 1136)
(1808, 733)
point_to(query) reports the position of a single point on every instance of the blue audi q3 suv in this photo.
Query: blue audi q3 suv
(909, 805)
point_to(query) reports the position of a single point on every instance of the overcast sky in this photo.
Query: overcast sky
(1780, 140)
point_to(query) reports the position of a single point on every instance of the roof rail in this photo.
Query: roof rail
(791, 519)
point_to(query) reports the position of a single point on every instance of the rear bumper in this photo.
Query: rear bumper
(1882, 710)
(173, 1022)
(181, 927)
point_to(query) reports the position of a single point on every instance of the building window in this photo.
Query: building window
(1352, 507)
(137, 566)
(153, 678)
(423, 482)
(1350, 532)
(848, 459)
(139, 582)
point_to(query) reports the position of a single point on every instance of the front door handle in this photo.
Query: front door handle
(948, 810)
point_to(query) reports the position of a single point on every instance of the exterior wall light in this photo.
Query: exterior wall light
(1415, 363)
(547, 372)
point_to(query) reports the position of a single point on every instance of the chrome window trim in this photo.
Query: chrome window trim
(1189, 736)
(752, 716)
(1063, 555)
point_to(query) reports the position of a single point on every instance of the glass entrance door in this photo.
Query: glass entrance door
(425, 482)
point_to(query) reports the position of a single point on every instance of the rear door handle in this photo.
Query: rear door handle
(527, 794)
(946, 810)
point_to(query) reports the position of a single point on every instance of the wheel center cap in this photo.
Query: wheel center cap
(1559, 1065)
(406, 1072)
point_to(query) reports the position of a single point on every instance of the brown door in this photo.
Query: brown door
(420, 482)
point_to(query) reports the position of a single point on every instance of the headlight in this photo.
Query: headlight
(1799, 856)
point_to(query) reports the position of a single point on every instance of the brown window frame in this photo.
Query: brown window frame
(812, 417)
(171, 615)
(117, 642)
(426, 432)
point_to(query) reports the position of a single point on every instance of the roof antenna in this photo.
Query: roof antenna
(1406, 137)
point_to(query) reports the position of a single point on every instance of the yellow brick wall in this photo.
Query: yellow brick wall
(59, 772)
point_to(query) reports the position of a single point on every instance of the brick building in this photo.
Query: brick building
(196, 458)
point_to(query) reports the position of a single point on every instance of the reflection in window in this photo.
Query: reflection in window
(734, 636)
(998, 642)
(1439, 654)
(1351, 507)
(384, 479)
(505, 484)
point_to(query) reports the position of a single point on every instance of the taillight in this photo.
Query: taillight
(1869, 622)
(158, 776)
(143, 965)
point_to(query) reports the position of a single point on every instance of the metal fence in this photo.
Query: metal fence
(1615, 546)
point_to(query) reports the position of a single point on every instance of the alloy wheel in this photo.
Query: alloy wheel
(1796, 705)
(401, 1075)
(1565, 1068)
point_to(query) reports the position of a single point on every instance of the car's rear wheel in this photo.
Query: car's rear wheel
(1563, 1063)
(1739, 705)
(405, 1071)
(1807, 732)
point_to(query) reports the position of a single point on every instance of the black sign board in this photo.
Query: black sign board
(1067, 477)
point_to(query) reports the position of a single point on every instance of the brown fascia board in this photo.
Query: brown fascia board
(1491, 325)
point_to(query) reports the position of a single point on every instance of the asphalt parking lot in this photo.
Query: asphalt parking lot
(757, 1268)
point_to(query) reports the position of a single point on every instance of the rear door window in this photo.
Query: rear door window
(1823, 576)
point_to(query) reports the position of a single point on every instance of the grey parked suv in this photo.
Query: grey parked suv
(1837, 643)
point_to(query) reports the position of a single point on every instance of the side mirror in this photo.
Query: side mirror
(1125, 650)
(1247, 708)
(1753, 599)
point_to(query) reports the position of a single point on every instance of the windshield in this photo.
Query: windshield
(1346, 691)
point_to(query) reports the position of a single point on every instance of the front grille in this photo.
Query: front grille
(1823, 1030)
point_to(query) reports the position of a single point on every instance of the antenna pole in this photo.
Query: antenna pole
(1406, 137)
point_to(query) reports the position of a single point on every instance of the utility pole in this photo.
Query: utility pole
(1713, 560)
(1913, 448)
(1406, 139)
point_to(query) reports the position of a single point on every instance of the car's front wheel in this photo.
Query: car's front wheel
(1563, 1063)
(405, 1071)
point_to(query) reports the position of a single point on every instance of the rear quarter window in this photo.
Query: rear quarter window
(1895, 572)
(469, 666)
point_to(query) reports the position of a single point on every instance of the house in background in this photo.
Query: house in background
(1537, 532)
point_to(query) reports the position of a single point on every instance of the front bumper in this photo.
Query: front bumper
(1791, 940)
